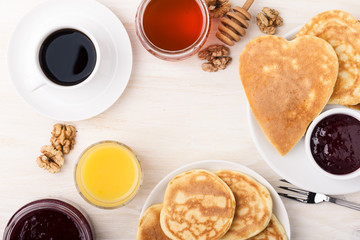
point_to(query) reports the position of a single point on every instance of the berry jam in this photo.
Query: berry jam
(46, 224)
(335, 144)
(48, 219)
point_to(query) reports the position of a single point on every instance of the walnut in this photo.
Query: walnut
(209, 67)
(268, 29)
(53, 154)
(279, 21)
(63, 137)
(211, 3)
(268, 20)
(261, 20)
(218, 8)
(213, 51)
(217, 57)
(47, 164)
(62, 141)
(270, 13)
(51, 160)
(222, 62)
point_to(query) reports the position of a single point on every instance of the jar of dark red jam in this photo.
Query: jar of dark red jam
(333, 143)
(49, 219)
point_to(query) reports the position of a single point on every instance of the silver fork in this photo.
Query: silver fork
(311, 197)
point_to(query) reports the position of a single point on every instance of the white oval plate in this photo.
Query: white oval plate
(157, 194)
(111, 78)
(295, 166)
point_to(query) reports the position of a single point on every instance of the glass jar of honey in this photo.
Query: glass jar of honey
(172, 29)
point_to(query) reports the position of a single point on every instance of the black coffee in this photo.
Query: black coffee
(67, 57)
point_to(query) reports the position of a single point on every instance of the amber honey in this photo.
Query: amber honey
(173, 25)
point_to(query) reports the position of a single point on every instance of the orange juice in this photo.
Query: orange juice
(108, 174)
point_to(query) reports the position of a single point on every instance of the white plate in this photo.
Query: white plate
(112, 76)
(157, 194)
(295, 166)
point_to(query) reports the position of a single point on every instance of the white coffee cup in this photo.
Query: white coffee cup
(39, 79)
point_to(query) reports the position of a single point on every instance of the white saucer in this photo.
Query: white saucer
(112, 76)
(157, 194)
(294, 166)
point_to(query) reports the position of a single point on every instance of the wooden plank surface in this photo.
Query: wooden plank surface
(170, 114)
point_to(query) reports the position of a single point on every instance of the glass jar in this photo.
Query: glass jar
(49, 212)
(172, 55)
(108, 174)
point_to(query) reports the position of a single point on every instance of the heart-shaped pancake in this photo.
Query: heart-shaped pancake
(357, 106)
(342, 31)
(287, 84)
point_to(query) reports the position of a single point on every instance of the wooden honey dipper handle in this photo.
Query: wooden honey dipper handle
(247, 4)
(234, 23)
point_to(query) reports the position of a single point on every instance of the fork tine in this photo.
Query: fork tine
(284, 180)
(297, 190)
(299, 199)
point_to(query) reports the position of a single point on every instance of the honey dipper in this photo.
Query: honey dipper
(234, 23)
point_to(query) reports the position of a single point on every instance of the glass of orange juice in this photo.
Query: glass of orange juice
(108, 174)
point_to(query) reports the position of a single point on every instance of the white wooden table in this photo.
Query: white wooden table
(170, 114)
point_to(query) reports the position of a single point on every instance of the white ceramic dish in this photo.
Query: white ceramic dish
(157, 194)
(294, 166)
(110, 79)
(345, 111)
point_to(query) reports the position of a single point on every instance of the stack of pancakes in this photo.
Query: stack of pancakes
(342, 31)
(288, 83)
(203, 205)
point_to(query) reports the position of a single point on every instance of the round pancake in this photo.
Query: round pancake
(274, 231)
(253, 205)
(357, 106)
(287, 84)
(197, 205)
(149, 226)
(342, 31)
